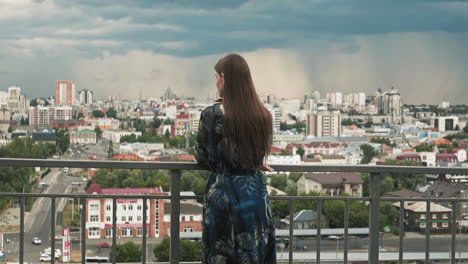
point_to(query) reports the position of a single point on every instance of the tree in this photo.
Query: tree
(189, 250)
(111, 112)
(98, 113)
(62, 138)
(156, 123)
(80, 115)
(279, 181)
(424, 147)
(98, 131)
(127, 253)
(10, 129)
(300, 151)
(465, 129)
(369, 153)
(382, 140)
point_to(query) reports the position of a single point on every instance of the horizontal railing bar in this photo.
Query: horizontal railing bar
(191, 197)
(10, 162)
(426, 199)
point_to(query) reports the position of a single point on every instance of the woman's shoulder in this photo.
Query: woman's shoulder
(212, 110)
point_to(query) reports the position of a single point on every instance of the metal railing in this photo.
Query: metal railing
(176, 167)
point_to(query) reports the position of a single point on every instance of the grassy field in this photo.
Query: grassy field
(67, 215)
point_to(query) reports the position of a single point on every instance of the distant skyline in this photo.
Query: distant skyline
(118, 47)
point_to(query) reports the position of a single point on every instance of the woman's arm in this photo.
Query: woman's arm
(203, 138)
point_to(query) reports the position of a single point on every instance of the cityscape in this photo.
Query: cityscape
(333, 129)
(101, 130)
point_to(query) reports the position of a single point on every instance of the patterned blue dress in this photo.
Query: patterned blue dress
(238, 226)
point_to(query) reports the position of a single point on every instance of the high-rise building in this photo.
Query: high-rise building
(16, 100)
(392, 102)
(86, 97)
(323, 124)
(336, 99)
(64, 93)
(290, 107)
(276, 118)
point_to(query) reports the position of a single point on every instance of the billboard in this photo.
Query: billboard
(66, 245)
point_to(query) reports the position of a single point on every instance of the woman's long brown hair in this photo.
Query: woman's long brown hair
(248, 126)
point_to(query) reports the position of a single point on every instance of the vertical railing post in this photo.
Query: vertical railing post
(374, 218)
(143, 251)
(83, 229)
(453, 227)
(21, 238)
(114, 230)
(319, 213)
(52, 230)
(175, 215)
(291, 230)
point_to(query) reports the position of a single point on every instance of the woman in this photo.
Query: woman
(234, 137)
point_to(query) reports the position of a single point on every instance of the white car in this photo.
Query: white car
(45, 257)
(335, 237)
(58, 237)
(48, 250)
(36, 241)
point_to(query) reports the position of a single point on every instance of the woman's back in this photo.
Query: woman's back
(233, 139)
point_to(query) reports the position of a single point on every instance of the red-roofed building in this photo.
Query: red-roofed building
(447, 157)
(130, 214)
(274, 149)
(410, 157)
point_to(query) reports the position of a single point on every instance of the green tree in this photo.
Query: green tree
(127, 253)
(300, 151)
(382, 140)
(98, 131)
(10, 129)
(98, 113)
(369, 153)
(80, 115)
(279, 181)
(156, 123)
(424, 147)
(62, 138)
(111, 112)
(188, 251)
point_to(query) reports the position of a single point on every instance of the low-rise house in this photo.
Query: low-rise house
(304, 219)
(335, 183)
(85, 136)
(415, 216)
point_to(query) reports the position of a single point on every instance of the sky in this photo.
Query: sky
(293, 47)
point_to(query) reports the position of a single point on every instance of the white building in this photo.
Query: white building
(83, 137)
(290, 107)
(115, 136)
(4, 99)
(284, 160)
(323, 124)
(194, 121)
(445, 123)
(143, 150)
(129, 213)
(86, 97)
(335, 98)
(287, 136)
(276, 118)
(392, 103)
(104, 123)
(16, 100)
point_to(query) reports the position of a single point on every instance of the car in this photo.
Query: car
(58, 237)
(74, 240)
(45, 257)
(335, 237)
(48, 250)
(65, 170)
(36, 241)
(2, 256)
(103, 245)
